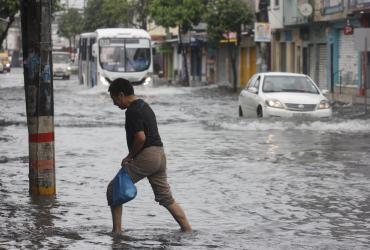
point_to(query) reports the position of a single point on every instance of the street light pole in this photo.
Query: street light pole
(38, 83)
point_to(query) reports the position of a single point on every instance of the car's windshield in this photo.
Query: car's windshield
(60, 58)
(125, 55)
(287, 83)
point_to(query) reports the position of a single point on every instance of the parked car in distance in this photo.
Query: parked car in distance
(61, 64)
(5, 61)
(279, 94)
(1, 68)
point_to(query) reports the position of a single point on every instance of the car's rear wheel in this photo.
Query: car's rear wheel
(259, 112)
(240, 112)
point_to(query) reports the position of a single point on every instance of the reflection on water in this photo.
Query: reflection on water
(244, 183)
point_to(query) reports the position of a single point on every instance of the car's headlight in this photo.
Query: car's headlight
(7, 65)
(148, 80)
(69, 68)
(104, 81)
(324, 104)
(274, 104)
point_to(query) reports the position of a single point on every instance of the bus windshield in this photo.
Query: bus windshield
(124, 55)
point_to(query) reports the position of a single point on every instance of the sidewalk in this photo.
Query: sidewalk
(163, 81)
(351, 110)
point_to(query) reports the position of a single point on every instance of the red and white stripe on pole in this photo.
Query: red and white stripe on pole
(41, 149)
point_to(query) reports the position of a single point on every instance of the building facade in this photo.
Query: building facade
(316, 37)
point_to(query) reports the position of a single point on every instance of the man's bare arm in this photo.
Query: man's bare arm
(139, 141)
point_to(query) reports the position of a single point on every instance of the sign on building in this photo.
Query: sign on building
(262, 32)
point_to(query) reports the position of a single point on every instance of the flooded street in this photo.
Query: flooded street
(244, 183)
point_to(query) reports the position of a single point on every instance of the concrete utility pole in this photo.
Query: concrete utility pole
(38, 83)
(263, 48)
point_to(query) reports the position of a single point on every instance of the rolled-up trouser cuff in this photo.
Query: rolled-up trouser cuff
(166, 202)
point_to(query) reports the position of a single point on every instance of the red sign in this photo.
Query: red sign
(348, 30)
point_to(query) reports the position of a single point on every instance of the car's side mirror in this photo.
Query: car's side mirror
(95, 50)
(325, 91)
(253, 90)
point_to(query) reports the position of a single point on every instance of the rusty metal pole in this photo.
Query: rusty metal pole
(38, 83)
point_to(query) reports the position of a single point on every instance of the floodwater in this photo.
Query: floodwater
(244, 183)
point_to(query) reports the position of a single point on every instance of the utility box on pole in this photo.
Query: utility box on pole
(38, 83)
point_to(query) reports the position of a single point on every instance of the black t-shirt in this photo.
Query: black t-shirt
(140, 117)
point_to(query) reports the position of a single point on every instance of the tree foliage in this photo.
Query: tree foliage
(177, 13)
(8, 10)
(110, 14)
(70, 24)
(116, 13)
(141, 10)
(224, 17)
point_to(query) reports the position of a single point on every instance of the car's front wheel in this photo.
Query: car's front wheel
(240, 111)
(259, 112)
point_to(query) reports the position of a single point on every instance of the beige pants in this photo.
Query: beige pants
(150, 163)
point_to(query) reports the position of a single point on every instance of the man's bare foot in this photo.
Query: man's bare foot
(116, 233)
(186, 230)
(179, 215)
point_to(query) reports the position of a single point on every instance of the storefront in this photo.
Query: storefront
(247, 63)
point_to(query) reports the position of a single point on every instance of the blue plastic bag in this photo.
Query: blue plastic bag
(123, 189)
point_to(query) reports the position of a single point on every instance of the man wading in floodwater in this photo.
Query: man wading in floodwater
(146, 157)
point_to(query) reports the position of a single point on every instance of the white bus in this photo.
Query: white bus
(115, 53)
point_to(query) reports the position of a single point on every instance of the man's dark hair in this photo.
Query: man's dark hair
(121, 85)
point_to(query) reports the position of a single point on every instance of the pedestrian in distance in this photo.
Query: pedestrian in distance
(146, 157)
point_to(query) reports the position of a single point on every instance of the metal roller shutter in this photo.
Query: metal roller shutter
(283, 57)
(312, 62)
(222, 65)
(322, 63)
(347, 60)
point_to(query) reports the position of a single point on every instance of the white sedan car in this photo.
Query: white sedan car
(277, 94)
(61, 65)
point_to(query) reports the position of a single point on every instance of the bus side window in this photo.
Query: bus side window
(84, 45)
(92, 41)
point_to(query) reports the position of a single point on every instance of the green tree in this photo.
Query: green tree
(70, 24)
(178, 13)
(140, 8)
(107, 14)
(8, 10)
(224, 17)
